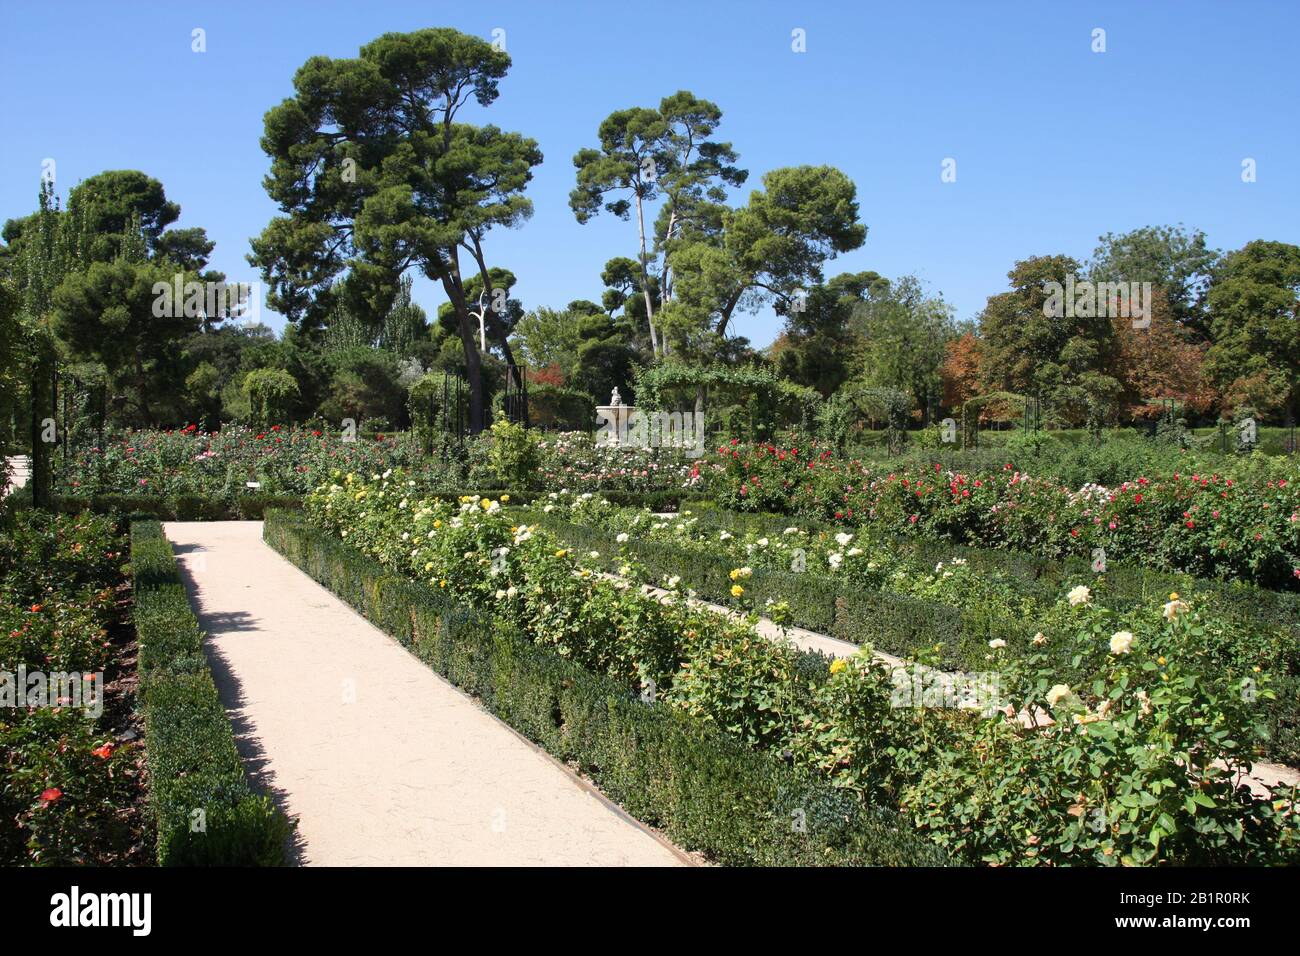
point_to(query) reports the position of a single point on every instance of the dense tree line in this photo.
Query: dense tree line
(380, 175)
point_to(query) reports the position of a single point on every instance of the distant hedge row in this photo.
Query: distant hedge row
(252, 507)
(174, 508)
(206, 813)
(707, 791)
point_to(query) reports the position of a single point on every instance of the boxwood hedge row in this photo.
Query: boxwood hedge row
(206, 813)
(175, 508)
(251, 507)
(706, 791)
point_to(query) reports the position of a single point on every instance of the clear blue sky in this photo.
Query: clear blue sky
(1054, 144)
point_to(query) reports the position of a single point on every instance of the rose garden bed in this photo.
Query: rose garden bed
(1143, 763)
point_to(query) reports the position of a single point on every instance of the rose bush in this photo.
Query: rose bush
(1204, 524)
(69, 788)
(283, 461)
(1143, 764)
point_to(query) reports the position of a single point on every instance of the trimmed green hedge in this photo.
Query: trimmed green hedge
(252, 507)
(669, 500)
(704, 789)
(176, 508)
(904, 625)
(193, 762)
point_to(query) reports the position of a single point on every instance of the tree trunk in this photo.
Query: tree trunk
(495, 326)
(473, 361)
(142, 383)
(42, 399)
(665, 284)
(645, 278)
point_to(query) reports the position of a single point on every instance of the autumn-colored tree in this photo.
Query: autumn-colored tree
(960, 370)
(548, 375)
(1161, 361)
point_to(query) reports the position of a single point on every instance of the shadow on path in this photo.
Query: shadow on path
(249, 745)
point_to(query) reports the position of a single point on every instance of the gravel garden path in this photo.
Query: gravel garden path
(380, 760)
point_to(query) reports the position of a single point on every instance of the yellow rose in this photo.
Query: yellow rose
(838, 665)
(737, 590)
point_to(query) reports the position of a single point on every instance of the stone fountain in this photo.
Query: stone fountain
(612, 420)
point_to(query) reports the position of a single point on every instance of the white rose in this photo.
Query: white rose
(1121, 642)
(997, 643)
(622, 538)
(1058, 694)
(1080, 595)
(843, 538)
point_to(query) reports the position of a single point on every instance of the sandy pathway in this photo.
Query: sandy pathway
(381, 760)
(19, 470)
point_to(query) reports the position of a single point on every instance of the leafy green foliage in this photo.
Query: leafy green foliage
(68, 786)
